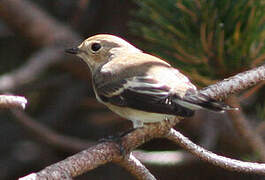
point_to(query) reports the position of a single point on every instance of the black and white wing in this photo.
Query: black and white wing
(142, 93)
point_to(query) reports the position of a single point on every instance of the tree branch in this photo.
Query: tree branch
(74, 145)
(80, 162)
(136, 168)
(36, 64)
(10, 101)
(43, 31)
(48, 136)
(235, 83)
(34, 24)
(224, 162)
(102, 153)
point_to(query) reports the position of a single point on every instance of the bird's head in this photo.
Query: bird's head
(102, 48)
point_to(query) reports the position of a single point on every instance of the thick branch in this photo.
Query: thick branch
(136, 168)
(80, 162)
(235, 83)
(74, 145)
(101, 153)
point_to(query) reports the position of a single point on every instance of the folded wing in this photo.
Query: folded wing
(143, 93)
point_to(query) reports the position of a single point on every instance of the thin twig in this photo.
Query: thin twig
(65, 143)
(36, 64)
(34, 24)
(42, 31)
(227, 163)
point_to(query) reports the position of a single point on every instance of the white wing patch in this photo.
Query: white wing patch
(187, 104)
(140, 84)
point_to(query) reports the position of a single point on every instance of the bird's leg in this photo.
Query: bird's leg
(170, 121)
(138, 124)
(124, 133)
(117, 138)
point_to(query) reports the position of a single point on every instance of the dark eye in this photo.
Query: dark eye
(95, 47)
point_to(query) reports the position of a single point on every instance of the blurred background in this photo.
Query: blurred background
(207, 40)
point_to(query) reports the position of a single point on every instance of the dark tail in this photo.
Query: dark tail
(201, 101)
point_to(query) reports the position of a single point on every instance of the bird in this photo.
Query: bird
(138, 86)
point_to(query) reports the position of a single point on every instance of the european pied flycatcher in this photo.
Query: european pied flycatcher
(138, 86)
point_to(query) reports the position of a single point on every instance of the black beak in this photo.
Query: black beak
(72, 50)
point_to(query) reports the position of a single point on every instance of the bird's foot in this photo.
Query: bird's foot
(117, 139)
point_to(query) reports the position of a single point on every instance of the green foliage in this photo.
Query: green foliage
(209, 39)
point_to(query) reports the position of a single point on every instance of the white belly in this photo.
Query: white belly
(139, 117)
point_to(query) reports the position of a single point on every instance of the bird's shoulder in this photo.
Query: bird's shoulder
(135, 63)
